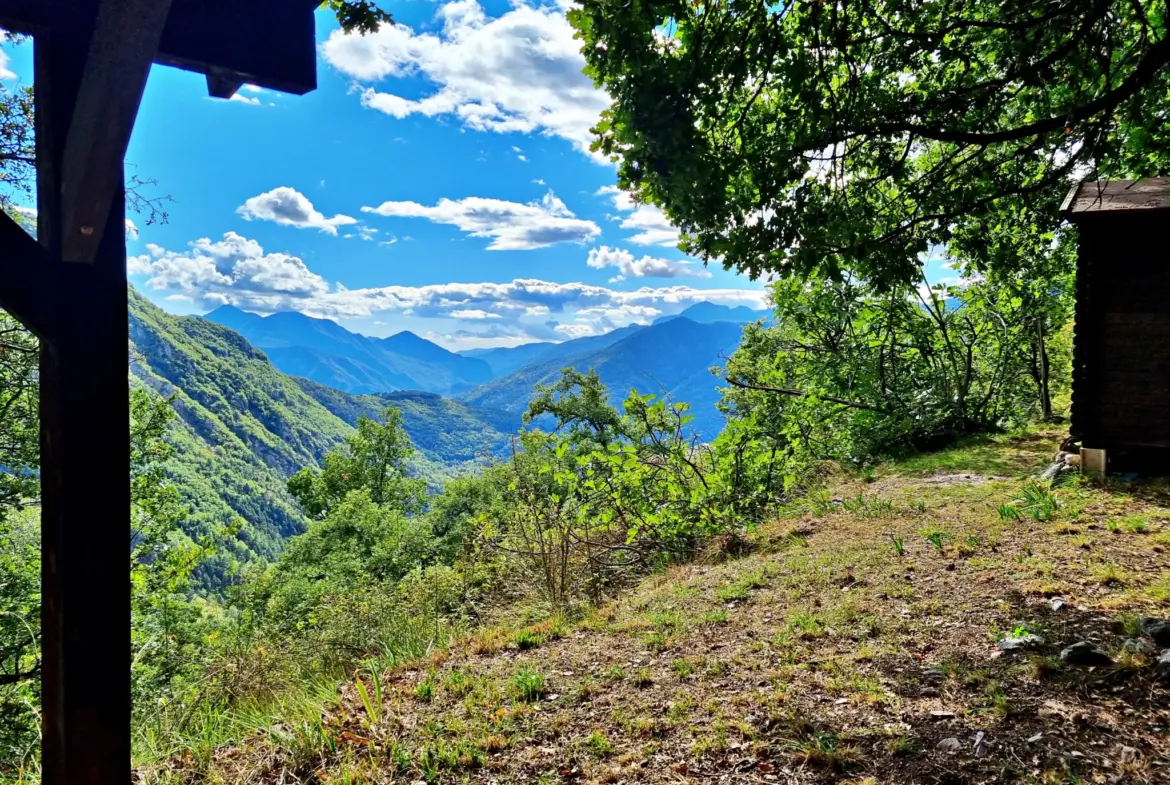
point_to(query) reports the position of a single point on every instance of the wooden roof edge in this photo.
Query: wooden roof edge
(1095, 197)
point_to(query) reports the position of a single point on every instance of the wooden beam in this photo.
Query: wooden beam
(218, 87)
(125, 42)
(85, 463)
(270, 43)
(25, 286)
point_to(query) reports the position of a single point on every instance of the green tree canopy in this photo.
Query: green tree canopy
(373, 459)
(798, 136)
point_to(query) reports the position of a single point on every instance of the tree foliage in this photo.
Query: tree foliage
(792, 137)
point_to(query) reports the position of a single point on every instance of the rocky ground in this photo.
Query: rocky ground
(946, 620)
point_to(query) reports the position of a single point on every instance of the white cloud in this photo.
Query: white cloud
(5, 72)
(511, 226)
(649, 223)
(289, 207)
(519, 72)
(646, 267)
(474, 314)
(131, 229)
(232, 270)
(245, 99)
(237, 270)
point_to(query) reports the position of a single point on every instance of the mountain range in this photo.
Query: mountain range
(672, 355)
(326, 352)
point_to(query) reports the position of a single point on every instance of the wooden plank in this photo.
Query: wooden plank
(25, 286)
(85, 512)
(270, 43)
(1152, 193)
(125, 41)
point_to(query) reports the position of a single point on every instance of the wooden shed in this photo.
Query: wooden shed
(1121, 353)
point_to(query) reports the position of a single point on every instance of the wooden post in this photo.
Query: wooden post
(1093, 463)
(84, 459)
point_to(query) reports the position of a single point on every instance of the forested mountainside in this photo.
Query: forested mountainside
(326, 352)
(244, 426)
(673, 357)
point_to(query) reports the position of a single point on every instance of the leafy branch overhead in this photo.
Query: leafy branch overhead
(789, 137)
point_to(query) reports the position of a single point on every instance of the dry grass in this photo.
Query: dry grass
(823, 655)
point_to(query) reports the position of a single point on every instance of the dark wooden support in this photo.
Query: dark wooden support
(85, 514)
(221, 87)
(24, 276)
(124, 44)
(270, 43)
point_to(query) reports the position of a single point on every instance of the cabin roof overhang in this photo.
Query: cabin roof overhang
(1113, 198)
(268, 43)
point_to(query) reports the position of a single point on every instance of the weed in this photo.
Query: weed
(1131, 624)
(373, 704)
(899, 545)
(741, 586)
(425, 690)
(526, 685)
(682, 668)
(1113, 525)
(644, 677)
(1008, 513)
(938, 538)
(615, 673)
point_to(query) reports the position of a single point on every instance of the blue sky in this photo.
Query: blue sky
(438, 180)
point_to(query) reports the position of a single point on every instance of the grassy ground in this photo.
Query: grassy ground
(857, 635)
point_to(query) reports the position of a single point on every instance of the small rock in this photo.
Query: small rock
(842, 701)
(1056, 603)
(942, 715)
(981, 750)
(1164, 662)
(1022, 643)
(951, 745)
(932, 675)
(1127, 754)
(1036, 738)
(1085, 653)
(1158, 629)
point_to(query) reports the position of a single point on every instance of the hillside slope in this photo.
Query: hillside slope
(672, 357)
(855, 642)
(244, 426)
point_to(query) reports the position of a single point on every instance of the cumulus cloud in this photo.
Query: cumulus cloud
(649, 224)
(239, 98)
(510, 225)
(289, 207)
(646, 267)
(232, 270)
(519, 72)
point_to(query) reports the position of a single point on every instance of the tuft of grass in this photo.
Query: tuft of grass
(615, 673)
(718, 616)
(682, 668)
(741, 587)
(806, 625)
(1037, 500)
(1110, 574)
(599, 745)
(526, 685)
(527, 639)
